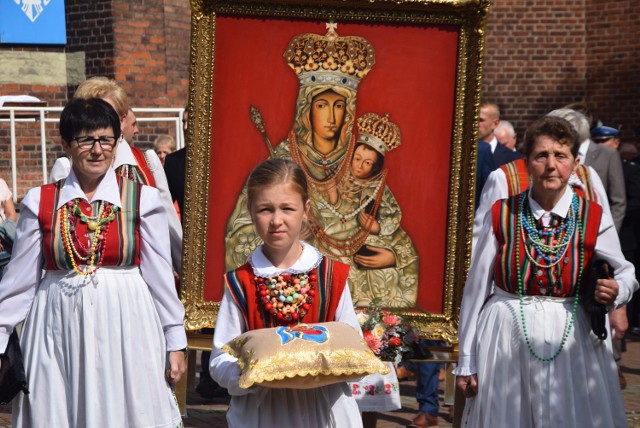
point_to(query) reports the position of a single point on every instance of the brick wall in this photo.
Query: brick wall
(535, 58)
(613, 62)
(542, 55)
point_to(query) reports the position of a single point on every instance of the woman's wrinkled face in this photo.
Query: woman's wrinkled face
(92, 152)
(550, 165)
(327, 115)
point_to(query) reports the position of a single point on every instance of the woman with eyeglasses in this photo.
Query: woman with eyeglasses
(103, 317)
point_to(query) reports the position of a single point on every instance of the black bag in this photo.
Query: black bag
(597, 312)
(12, 376)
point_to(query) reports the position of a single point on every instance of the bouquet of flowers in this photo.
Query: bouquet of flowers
(388, 336)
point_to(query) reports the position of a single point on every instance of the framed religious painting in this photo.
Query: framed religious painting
(377, 101)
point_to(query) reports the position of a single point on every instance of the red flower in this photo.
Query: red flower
(394, 341)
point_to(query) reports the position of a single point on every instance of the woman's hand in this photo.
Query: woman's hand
(381, 259)
(606, 291)
(468, 385)
(177, 366)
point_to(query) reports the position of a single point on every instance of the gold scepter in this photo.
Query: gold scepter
(256, 118)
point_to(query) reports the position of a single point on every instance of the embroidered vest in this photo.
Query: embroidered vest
(140, 173)
(562, 278)
(123, 235)
(518, 179)
(332, 278)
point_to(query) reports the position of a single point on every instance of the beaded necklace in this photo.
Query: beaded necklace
(560, 237)
(287, 297)
(522, 292)
(98, 225)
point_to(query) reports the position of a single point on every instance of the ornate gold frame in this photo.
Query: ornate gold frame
(468, 16)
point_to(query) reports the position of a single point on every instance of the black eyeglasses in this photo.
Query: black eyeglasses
(86, 142)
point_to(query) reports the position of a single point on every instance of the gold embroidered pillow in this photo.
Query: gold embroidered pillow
(303, 356)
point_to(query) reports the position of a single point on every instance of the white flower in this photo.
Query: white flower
(362, 318)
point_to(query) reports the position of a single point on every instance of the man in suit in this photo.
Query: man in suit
(489, 120)
(174, 168)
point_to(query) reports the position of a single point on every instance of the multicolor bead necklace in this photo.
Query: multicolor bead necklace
(287, 297)
(522, 292)
(560, 236)
(98, 225)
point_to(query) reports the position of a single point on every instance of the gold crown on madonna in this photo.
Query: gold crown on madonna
(330, 59)
(378, 132)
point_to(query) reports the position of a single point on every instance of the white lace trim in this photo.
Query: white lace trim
(308, 260)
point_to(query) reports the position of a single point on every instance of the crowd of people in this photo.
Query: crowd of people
(93, 283)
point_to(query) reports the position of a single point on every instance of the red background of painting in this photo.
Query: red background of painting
(413, 79)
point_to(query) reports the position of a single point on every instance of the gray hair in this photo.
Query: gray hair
(505, 126)
(576, 119)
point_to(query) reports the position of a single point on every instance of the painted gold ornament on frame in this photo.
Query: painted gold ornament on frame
(339, 87)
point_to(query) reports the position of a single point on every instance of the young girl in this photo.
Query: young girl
(279, 205)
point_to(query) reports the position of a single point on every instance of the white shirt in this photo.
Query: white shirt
(493, 143)
(479, 284)
(23, 273)
(582, 151)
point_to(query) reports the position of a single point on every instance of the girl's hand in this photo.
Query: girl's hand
(468, 385)
(606, 291)
(177, 363)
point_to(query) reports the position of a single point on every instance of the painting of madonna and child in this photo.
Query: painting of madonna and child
(367, 112)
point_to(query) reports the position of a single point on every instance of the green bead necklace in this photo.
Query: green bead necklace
(522, 293)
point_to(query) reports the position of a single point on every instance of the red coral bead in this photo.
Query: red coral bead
(306, 306)
(313, 277)
(279, 315)
(311, 292)
(294, 315)
(268, 306)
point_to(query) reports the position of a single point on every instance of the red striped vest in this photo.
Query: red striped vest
(564, 275)
(123, 235)
(332, 278)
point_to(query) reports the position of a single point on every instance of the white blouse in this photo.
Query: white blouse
(23, 273)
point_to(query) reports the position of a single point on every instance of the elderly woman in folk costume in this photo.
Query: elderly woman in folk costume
(106, 298)
(528, 357)
(329, 69)
(361, 216)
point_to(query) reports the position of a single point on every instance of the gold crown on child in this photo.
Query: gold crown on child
(377, 132)
(330, 59)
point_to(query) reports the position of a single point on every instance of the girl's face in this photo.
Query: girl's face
(278, 213)
(364, 159)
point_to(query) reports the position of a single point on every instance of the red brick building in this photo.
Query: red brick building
(540, 55)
